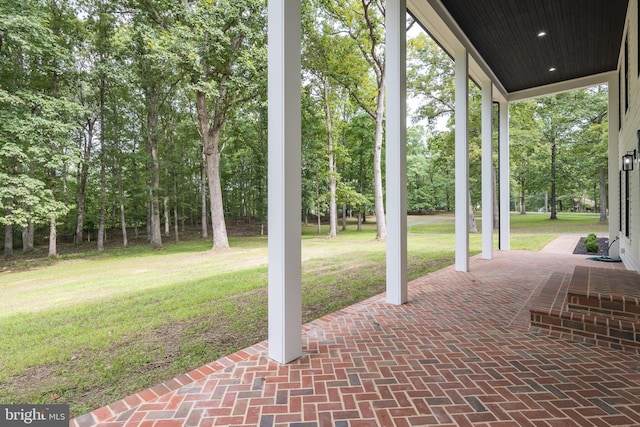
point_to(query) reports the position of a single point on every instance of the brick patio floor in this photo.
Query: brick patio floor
(460, 353)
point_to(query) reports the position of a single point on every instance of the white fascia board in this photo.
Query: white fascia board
(435, 18)
(566, 86)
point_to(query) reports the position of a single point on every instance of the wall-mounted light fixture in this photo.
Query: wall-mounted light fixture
(627, 161)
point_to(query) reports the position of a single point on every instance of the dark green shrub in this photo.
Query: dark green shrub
(591, 243)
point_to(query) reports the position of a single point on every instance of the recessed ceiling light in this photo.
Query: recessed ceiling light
(552, 69)
(542, 33)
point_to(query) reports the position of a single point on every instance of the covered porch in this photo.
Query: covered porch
(451, 348)
(460, 352)
(512, 51)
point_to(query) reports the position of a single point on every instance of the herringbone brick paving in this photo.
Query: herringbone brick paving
(460, 353)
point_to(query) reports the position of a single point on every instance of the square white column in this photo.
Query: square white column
(505, 196)
(462, 159)
(487, 172)
(396, 151)
(614, 165)
(284, 91)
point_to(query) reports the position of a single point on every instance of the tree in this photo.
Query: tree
(223, 47)
(38, 121)
(430, 79)
(359, 43)
(564, 118)
(320, 64)
(528, 157)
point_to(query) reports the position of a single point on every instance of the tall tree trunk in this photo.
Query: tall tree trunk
(522, 196)
(344, 217)
(167, 215)
(123, 222)
(27, 237)
(103, 158)
(204, 231)
(175, 207)
(136, 231)
(554, 213)
(603, 196)
(546, 202)
(53, 236)
(82, 179)
(8, 239)
(318, 206)
(333, 207)
(103, 192)
(211, 141)
(152, 117)
(381, 227)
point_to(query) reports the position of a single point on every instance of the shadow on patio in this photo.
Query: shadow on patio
(459, 353)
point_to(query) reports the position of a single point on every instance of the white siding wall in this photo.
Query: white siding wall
(628, 140)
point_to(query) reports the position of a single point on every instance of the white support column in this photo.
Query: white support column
(614, 165)
(284, 90)
(487, 173)
(396, 150)
(505, 190)
(462, 159)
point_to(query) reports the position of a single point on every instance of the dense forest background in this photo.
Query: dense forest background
(147, 119)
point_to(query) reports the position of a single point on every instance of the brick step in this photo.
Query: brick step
(589, 318)
(605, 292)
(625, 313)
(585, 327)
(552, 297)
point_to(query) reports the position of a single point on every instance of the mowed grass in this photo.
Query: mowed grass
(93, 328)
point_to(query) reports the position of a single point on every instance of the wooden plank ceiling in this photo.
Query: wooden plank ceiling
(583, 37)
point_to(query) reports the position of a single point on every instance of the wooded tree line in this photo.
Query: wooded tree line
(144, 117)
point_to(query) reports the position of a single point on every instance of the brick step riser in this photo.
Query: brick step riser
(596, 331)
(603, 312)
(618, 306)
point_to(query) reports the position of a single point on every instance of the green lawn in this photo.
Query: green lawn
(91, 328)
